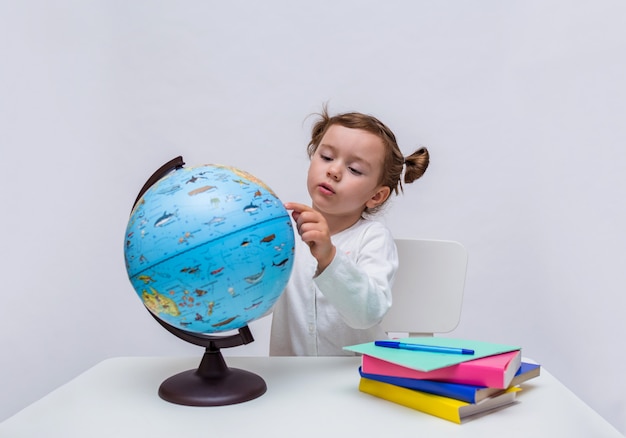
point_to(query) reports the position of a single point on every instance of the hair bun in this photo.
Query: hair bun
(416, 164)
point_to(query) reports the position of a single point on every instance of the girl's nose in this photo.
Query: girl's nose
(333, 173)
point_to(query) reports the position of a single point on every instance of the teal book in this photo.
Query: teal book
(428, 361)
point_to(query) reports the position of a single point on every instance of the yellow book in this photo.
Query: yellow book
(443, 407)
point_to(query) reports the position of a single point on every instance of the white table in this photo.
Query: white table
(306, 397)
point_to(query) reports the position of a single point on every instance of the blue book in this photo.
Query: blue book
(526, 372)
(466, 393)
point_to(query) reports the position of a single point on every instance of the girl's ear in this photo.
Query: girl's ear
(379, 197)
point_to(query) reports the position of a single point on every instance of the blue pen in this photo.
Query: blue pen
(422, 347)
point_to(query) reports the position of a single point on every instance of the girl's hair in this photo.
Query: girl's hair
(394, 162)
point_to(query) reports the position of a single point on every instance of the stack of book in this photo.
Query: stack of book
(447, 384)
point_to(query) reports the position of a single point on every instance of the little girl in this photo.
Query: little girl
(344, 266)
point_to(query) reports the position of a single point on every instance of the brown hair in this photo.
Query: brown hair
(394, 162)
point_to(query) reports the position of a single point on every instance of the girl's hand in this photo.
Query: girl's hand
(313, 230)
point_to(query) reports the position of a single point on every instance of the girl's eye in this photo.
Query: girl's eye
(326, 157)
(355, 171)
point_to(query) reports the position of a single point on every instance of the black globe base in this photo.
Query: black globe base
(212, 384)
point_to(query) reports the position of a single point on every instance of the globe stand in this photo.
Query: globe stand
(213, 383)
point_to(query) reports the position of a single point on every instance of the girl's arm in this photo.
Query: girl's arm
(359, 284)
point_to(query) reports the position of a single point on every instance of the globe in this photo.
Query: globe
(209, 248)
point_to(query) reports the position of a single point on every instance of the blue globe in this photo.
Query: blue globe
(209, 248)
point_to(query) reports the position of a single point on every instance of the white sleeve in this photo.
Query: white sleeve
(358, 284)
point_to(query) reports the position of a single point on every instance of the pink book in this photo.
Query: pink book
(495, 371)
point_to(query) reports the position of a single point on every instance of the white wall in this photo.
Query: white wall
(521, 103)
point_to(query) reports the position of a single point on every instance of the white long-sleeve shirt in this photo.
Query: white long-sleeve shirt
(317, 316)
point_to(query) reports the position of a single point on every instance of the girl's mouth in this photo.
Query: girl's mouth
(326, 189)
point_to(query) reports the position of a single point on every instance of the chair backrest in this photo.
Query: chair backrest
(428, 289)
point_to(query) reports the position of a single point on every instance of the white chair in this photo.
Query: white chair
(428, 289)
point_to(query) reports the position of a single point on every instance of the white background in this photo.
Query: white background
(521, 103)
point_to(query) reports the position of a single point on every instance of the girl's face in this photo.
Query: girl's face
(344, 173)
